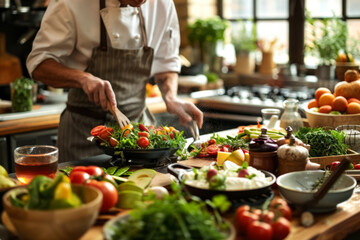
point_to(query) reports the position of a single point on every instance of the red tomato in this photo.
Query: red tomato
(142, 127)
(172, 135)
(94, 171)
(78, 177)
(91, 170)
(105, 134)
(225, 148)
(244, 150)
(109, 191)
(143, 134)
(280, 206)
(212, 149)
(96, 130)
(113, 142)
(258, 212)
(281, 228)
(143, 142)
(211, 141)
(203, 153)
(243, 220)
(259, 230)
(268, 216)
(357, 166)
(242, 209)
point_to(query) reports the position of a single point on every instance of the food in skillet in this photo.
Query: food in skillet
(230, 177)
(138, 136)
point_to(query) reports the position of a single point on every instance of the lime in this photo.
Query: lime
(71, 202)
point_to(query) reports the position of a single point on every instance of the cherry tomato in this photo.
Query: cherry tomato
(91, 170)
(281, 228)
(105, 134)
(109, 191)
(78, 177)
(268, 216)
(280, 207)
(212, 149)
(243, 220)
(242, 208)
(142, 127)
(357, 166)
(259, 230)
(258, 212)
(143, 142)
(96, 130)
(143, 134)
(225, 148)
(172, 135)
(334, 164)
(113, 142)
(211, 141)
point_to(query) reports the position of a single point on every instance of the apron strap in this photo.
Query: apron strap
(142, 25)
(103, 41)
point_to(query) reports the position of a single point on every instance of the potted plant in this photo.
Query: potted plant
(243, 37)
(326, 38)
(204, 34)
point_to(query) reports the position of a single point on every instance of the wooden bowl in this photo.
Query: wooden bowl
(330, 120)
(62, 224)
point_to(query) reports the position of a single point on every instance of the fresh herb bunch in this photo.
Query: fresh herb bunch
(174, 218)
(235, 142)
(323, 142)
(21, 91)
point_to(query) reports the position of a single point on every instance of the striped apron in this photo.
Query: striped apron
(127, 70)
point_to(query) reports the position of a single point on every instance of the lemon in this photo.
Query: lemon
(237, 157)
(63, 191)
(221, 157)
(3, 171)
(6, 182)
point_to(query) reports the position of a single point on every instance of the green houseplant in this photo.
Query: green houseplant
(204, 35)
(243, 37)
(325, 39)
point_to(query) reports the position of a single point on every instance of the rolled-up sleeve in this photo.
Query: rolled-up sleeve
(55, 39)
(166, 57)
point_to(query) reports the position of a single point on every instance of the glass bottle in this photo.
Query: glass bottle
(291, 117)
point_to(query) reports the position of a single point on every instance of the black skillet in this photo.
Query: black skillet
(209, 193)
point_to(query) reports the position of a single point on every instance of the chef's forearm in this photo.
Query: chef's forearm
(54, 74)
(168, 84)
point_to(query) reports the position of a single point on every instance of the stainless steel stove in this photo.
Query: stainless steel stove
(242, 105)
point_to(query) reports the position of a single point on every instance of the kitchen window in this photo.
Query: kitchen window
(284, 20)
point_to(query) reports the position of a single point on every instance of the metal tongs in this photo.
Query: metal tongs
(195, 134)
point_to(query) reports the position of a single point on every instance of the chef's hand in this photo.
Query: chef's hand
(99, 91)
(186, 111)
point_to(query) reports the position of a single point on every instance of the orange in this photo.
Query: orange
(326, 99)
(353, 108)
(312, 103)
(353, 100)
(320, 91)
(339, 104)
(325, 109)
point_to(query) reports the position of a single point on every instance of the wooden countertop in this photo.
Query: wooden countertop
(52, 121)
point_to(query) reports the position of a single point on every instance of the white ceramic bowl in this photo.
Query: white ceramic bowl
(330, 120)
(61, 224)
(296, 188)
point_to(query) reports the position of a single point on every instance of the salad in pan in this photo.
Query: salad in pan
(137, 136)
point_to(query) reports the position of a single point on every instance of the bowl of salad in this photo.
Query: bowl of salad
(137, 141)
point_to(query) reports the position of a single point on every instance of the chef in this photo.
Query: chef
(106, 50)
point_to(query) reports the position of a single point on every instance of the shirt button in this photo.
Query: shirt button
(116, 35)
(137, 37)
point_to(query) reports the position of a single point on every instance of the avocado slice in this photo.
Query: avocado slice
(128, 199)
(130, 186)
(142, 177)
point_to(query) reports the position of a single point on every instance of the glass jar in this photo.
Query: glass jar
(291, 117)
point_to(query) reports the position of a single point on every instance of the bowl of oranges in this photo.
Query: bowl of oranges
(329, 110)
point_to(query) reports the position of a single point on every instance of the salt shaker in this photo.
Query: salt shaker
(291, 117)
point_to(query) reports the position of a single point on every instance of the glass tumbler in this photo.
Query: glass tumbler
(35, 160)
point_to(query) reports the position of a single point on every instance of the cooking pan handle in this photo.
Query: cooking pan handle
(172, 169)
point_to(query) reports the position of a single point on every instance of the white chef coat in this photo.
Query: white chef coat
(71, 29)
